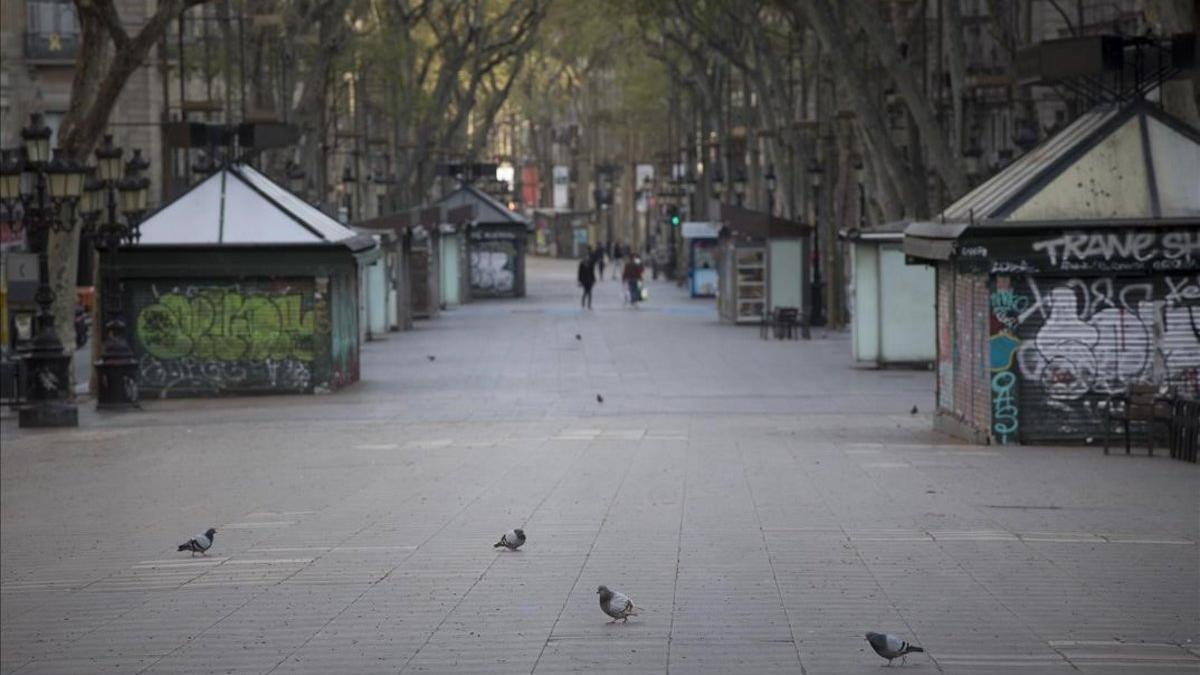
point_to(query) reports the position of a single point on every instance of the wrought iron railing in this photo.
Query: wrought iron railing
(50, 46)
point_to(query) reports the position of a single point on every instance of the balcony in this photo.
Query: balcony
(48, 47)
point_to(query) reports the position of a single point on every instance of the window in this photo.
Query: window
(51, 17)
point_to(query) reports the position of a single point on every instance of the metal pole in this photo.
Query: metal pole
(117, 367)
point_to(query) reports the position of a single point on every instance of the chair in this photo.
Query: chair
(783, 321)
(1139, 403)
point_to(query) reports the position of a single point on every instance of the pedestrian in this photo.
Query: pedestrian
(598, 261)
(618, 258)
(632, 276)
(587, 278)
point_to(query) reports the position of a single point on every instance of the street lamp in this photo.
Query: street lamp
(382, 184)
(107, 195)
(815, 174)
(860, 171)
(771, 185)
(47, 203)
(718, 183)
(739, 185)
(348, 181)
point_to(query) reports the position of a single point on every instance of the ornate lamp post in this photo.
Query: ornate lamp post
(739, 186)
(108, 195)
(771, 185)
(348, 181)
(815, 174)
(381, 184)
(46, 196)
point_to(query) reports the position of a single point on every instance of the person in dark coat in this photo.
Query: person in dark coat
(598, 261)
(632, 276)
(587, 279)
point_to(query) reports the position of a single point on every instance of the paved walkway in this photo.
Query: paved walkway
(763, 502)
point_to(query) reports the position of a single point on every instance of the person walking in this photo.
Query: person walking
(587, 279)
(632, 276)
(598, 261)
(618, 257)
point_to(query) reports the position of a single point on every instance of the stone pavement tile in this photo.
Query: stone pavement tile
(609, 648)
(61, 619)
(161, 624)
(263, 631)
(12, 664)
(86, 666)
(733, 654)
(365, 653)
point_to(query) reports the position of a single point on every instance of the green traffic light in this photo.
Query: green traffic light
(674, 220)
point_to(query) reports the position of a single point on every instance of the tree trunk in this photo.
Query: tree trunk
(870, 119)
(948, 164)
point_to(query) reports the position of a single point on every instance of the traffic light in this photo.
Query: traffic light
(673, 215)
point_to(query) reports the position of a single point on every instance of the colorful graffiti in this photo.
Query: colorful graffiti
(493, 266)
(256, 335)
(228, 325)
(207, 376)
(1069, 344)
(1006, 309)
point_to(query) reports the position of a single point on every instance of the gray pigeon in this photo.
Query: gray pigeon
(511, 540)
(199, 543)
(891, 647)
(578, 336)
(616, 604)
(431, 357)
(599, 398)
(914, 411)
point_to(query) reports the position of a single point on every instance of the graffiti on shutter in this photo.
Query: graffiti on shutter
(1077, 341)
(945, 337)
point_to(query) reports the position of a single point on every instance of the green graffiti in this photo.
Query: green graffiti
(223, 325)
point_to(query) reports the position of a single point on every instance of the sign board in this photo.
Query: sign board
(701, 230)
(562, 188)
(1100, 251)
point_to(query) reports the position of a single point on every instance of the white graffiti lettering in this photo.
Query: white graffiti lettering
(1128, 249)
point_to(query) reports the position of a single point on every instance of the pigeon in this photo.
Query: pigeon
(431, 357)
(511, 540)
(616, 604)
(891, 647)
(599, 398)
(199, 543)
(578, 336)
(914, 410)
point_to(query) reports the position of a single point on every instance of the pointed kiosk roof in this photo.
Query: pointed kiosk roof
(239, 206)
(488, 210)
(1117, 165)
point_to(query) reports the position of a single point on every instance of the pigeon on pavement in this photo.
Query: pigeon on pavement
(914, 410)
(431, 357)
(511, 540)
(578, 336)
(199, 543)
(599, 398)
(616, 604)
(891, 647)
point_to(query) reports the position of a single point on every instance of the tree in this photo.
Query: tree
(108, 56)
